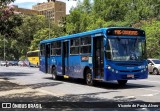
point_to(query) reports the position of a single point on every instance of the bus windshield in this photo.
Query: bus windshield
(119, 49)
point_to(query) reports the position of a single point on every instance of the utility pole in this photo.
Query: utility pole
(4, 49)
(49, 22)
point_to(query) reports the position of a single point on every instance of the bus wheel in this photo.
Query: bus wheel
(89, 80)
(54, 73)
(122, 82)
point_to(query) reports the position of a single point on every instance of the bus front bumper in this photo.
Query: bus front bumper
(125, 75)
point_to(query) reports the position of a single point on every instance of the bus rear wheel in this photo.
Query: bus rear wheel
(122, 82)
(89, 80)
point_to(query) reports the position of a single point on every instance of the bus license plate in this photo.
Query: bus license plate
(130, 76)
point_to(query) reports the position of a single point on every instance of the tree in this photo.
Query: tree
(42, 34)
(25, 32)
(152, 29)
(8, 21)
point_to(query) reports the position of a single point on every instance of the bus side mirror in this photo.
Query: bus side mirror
(104, 42)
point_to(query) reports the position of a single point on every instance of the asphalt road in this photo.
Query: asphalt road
(27, 84)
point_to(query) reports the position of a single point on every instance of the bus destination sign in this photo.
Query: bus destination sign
(125, 32)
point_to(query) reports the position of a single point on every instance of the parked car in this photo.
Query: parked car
(154, 66)
(3, 63)
(13, 63)
(22, 63)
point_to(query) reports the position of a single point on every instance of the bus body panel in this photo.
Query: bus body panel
(56, 61)
(75, 67)
(42, 64)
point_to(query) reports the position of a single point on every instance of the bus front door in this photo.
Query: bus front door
(47, 56)
(98, 55)
(65, 58)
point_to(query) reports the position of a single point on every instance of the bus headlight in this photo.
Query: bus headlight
(116, 71)
(141, 70)
(109, 67)
(112, 70)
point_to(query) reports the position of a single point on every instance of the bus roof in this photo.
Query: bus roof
(100, 30)
(33, 51)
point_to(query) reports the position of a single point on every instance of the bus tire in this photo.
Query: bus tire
(54, 73)
(89, 80)
(122, 82)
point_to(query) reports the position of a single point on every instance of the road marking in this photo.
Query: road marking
(15, 91)
(151, 81)
(151, 94)
(129, 97)
(1, 80)
(53, 93)
(151, 90)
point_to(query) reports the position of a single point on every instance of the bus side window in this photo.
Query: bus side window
(42, 49)
(86, 45)
(74, 46)
(56, 48)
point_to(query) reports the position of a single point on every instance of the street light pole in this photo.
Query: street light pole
(4, 49)
(49, 28)
(49, 23)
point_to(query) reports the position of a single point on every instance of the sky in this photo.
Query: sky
(29, 3)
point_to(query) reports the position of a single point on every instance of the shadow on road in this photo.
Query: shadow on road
(6, 86)
(105, 85)
(39, 85)
(70, 102)
(12, 74)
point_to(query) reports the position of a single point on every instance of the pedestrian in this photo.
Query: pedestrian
(6, 63)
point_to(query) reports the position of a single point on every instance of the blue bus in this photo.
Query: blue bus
(105, 54)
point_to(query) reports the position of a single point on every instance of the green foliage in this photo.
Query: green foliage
(8, 22)
(152, 29)
(42, 34)
(26, 31)
(22, 58)
(118, 13)
(38, 36)
(23, 33)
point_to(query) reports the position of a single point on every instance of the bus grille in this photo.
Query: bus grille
(124, 71)
(130, 71)
(126, 65)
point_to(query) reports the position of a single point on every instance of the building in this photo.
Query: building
(25, 11)
(54, 10)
